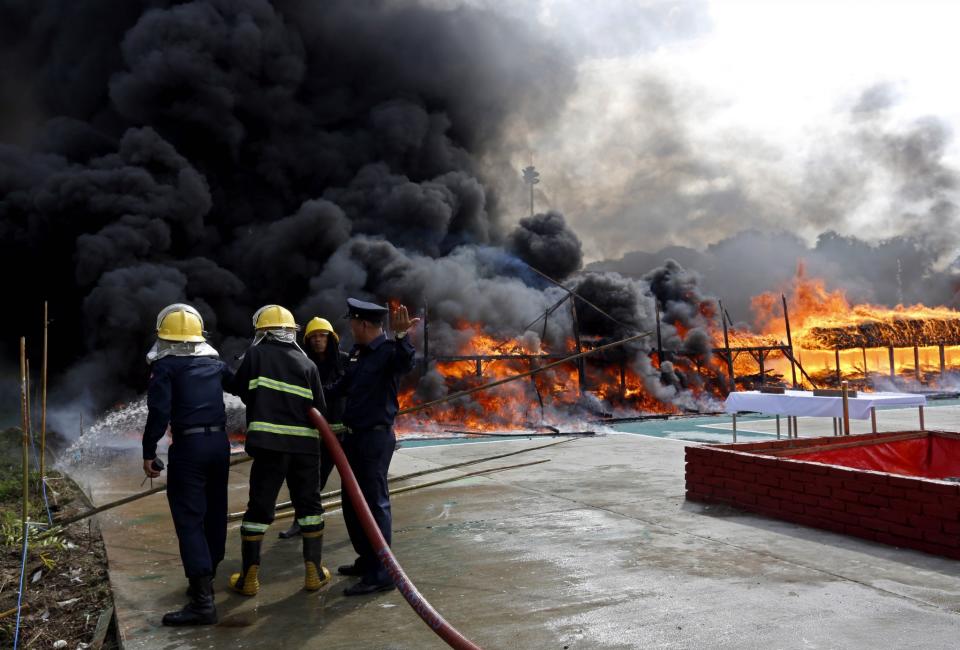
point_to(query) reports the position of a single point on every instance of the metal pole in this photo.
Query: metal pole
(734, 427)
(778, 427)
(943, 362)
(581, 367)
(864, 351)
(786, 320)
(892, 372)
(43, 407)
(426, 339)
(922, 427)
(837, 357)
(873, 418)
(796, 427)
(835, 428)
(656, 305)
(846, 408)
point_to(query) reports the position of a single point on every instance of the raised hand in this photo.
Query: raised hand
(400, 321)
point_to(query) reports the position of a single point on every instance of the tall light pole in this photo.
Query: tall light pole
(531, 177)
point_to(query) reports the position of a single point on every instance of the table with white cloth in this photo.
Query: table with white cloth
(802, 403)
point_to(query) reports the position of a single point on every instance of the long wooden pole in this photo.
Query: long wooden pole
(43, 406)
(289, 512)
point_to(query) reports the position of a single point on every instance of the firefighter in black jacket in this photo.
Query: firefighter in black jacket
(370, 386)
(322, 345)
(278, 384)
(186, 392)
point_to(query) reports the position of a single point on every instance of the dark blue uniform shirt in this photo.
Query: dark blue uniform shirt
(371, 382)
(184, 392)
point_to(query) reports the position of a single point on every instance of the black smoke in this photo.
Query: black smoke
(232, 153)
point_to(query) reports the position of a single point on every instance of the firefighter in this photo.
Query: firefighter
(322, 345)
(278, 383)
(370, 387)
(186, 392)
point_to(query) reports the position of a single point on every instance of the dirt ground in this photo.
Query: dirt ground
(67, 590)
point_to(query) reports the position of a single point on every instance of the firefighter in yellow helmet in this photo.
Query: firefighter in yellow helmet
(322, 345)
(186, 391)
(278, 383)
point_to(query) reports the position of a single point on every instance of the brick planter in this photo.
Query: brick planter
(907, 511)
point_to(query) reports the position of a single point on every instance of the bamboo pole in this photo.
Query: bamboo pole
(43, 406)
(726, 345)
(25, 425)
(786, 321)
(434, 470)
(419, 486)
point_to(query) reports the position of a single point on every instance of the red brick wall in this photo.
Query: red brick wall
(918, 513)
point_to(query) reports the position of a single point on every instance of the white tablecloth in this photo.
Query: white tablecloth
(803, 403)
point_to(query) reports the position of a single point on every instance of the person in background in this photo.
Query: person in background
(323, 347)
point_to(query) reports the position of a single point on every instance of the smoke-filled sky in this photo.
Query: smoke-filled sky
(694, 120)
(233, 153)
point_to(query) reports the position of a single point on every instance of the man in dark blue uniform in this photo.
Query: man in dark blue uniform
(370, 386)
(186, 392)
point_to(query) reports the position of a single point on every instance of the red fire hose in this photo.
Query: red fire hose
(349, 484)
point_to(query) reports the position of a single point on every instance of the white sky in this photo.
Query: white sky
(764, 87)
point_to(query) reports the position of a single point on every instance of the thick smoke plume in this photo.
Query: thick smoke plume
(231, 153)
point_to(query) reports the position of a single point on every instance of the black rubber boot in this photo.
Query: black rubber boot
(293, 531)
(200, 610)
(247, 582)
(315, 574)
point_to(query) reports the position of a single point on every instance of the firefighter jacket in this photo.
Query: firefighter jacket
(278, 384)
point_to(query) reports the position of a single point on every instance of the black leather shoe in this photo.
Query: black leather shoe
(350, 570)
(362, 588)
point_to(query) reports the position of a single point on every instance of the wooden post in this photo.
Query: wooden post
(922, 427)
(734, 427)
(726, 345)
(846, 409)
(873, 418)
(789, 426)
(786, 320)
(834, 425)
(778, 427)
(864, 350)
(837, 357)
(796, 427)
(760, 357)
(479, 369)
(943, 362)
(581, 368)
(916, 362)
(43, 405)
(892, 371)
(656, 305)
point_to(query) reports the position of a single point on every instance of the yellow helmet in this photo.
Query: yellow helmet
(179, 322)
(273, 316)
(318, 324)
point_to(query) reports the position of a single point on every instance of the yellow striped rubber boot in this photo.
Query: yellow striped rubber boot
(315, 574)
(247, 582)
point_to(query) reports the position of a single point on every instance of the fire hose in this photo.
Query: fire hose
(430, 616)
